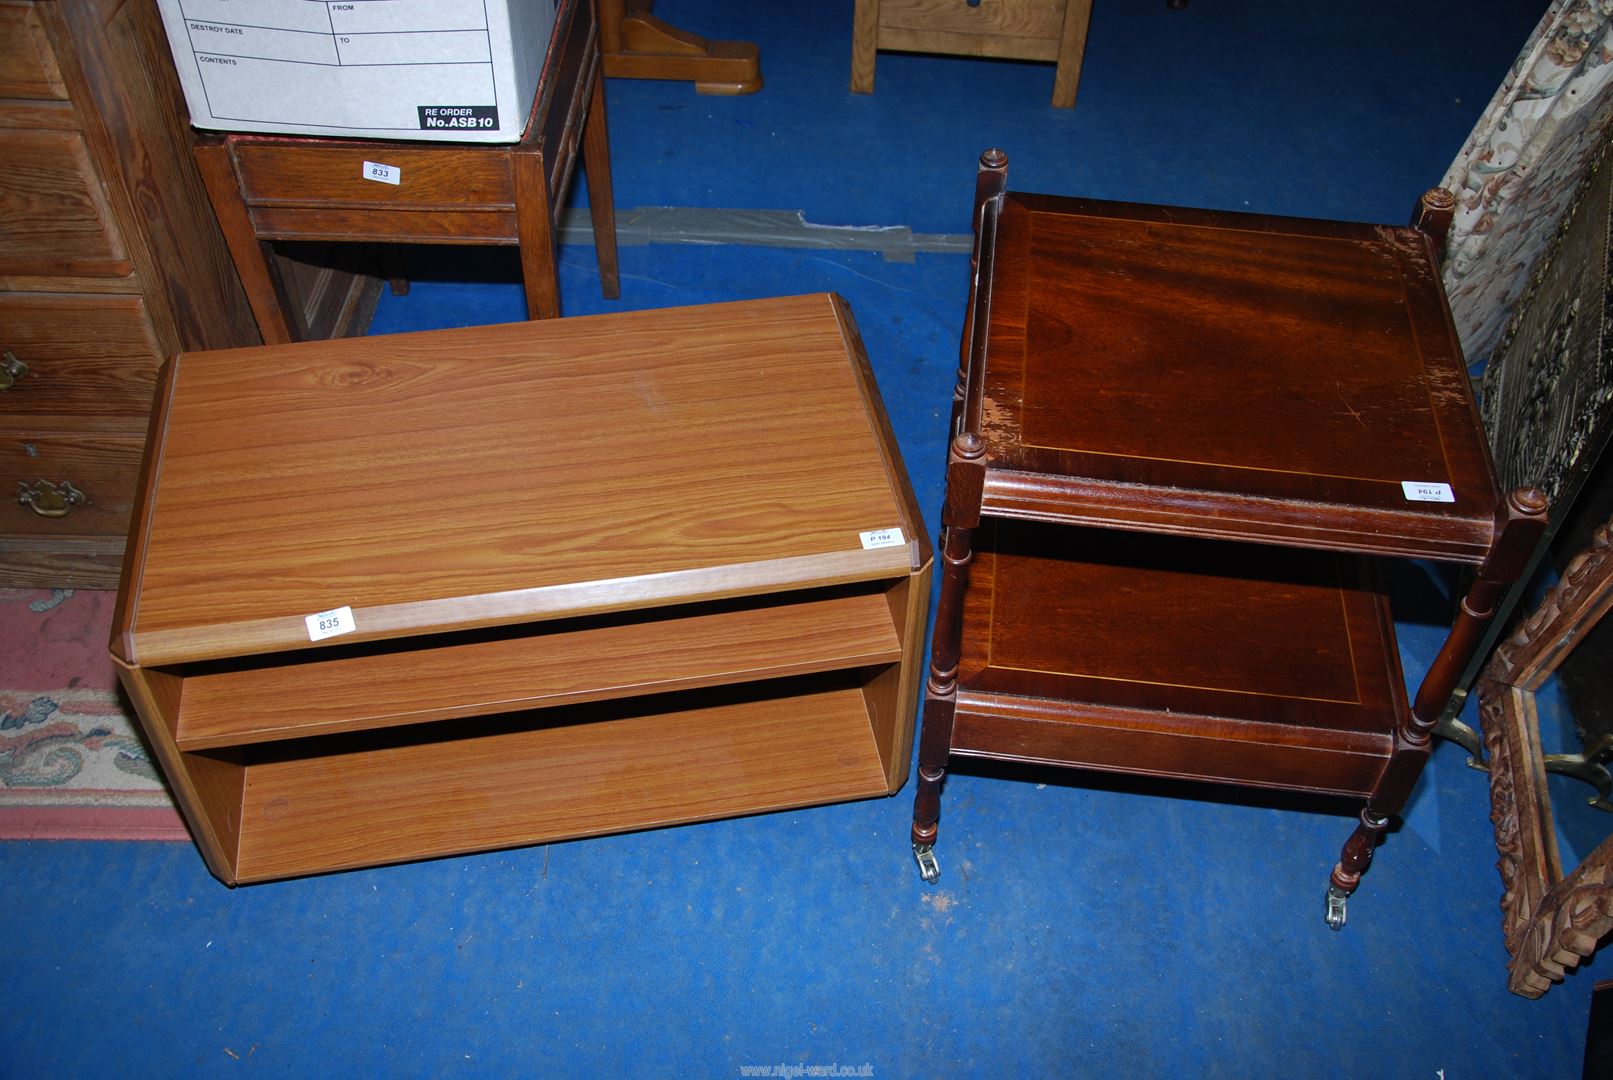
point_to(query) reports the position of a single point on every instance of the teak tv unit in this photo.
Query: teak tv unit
(579, 577)
(1181, 440)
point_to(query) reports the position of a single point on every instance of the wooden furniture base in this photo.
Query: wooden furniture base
(268, 188)
(637, 45)
(1177, 438)
(620, 572)
(1054, 30)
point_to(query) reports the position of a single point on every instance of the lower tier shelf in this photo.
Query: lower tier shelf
(505, 669)
(1186, 658)
(347, 801)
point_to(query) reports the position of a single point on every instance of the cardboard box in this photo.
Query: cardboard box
(444, 70)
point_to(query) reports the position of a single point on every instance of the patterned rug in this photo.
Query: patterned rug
(73, 764)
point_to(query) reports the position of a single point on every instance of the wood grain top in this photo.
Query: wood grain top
(1251, 361)
(500, 474)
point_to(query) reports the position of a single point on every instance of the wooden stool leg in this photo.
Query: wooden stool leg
(601, 199)
(255, 260)
(534, 224)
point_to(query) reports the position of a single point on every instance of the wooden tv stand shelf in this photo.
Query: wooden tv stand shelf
(1181, 441)
(602, 574)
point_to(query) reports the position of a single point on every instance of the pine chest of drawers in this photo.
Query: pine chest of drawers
(110, 260)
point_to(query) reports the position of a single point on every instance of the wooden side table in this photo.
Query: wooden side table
(1053, 30)
(266, 188)
(405, 596)
(1174, 433)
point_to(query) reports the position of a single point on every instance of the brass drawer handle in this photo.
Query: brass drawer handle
(11, 369)
(50, 500)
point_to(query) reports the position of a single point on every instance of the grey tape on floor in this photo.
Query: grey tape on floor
(765, 228)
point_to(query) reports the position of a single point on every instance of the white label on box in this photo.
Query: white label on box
(1416, 492)
(882, 538)
(383, 174)
(330, 623)
(455, 70)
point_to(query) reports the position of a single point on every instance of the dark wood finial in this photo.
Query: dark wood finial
(1528, 501)
(1433, 216)
(990, 181)
(968, 444)
(1520, 520)
(1439, 199)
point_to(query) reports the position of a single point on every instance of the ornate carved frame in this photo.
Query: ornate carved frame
(1551, 922)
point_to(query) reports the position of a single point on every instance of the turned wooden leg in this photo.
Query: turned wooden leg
(960, 515)
(933, 752)
(1519, 521)
(940, 696)
(1353, 862)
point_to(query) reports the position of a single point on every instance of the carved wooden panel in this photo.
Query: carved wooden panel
(1550, 921)
(1547, 392)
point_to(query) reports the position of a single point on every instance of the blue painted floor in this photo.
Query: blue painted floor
(1081, 927)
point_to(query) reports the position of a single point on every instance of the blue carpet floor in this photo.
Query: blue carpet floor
(1081, 927)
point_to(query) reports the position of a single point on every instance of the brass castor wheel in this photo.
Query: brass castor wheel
(1336, 899)
(929, 869)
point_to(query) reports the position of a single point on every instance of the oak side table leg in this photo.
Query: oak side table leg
(255, 260)
(864, 45)
(1072, 50)
(601, 199)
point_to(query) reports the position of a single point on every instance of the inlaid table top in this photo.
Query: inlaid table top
(1287, 378)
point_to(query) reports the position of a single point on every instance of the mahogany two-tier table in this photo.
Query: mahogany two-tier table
(1179, 441)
